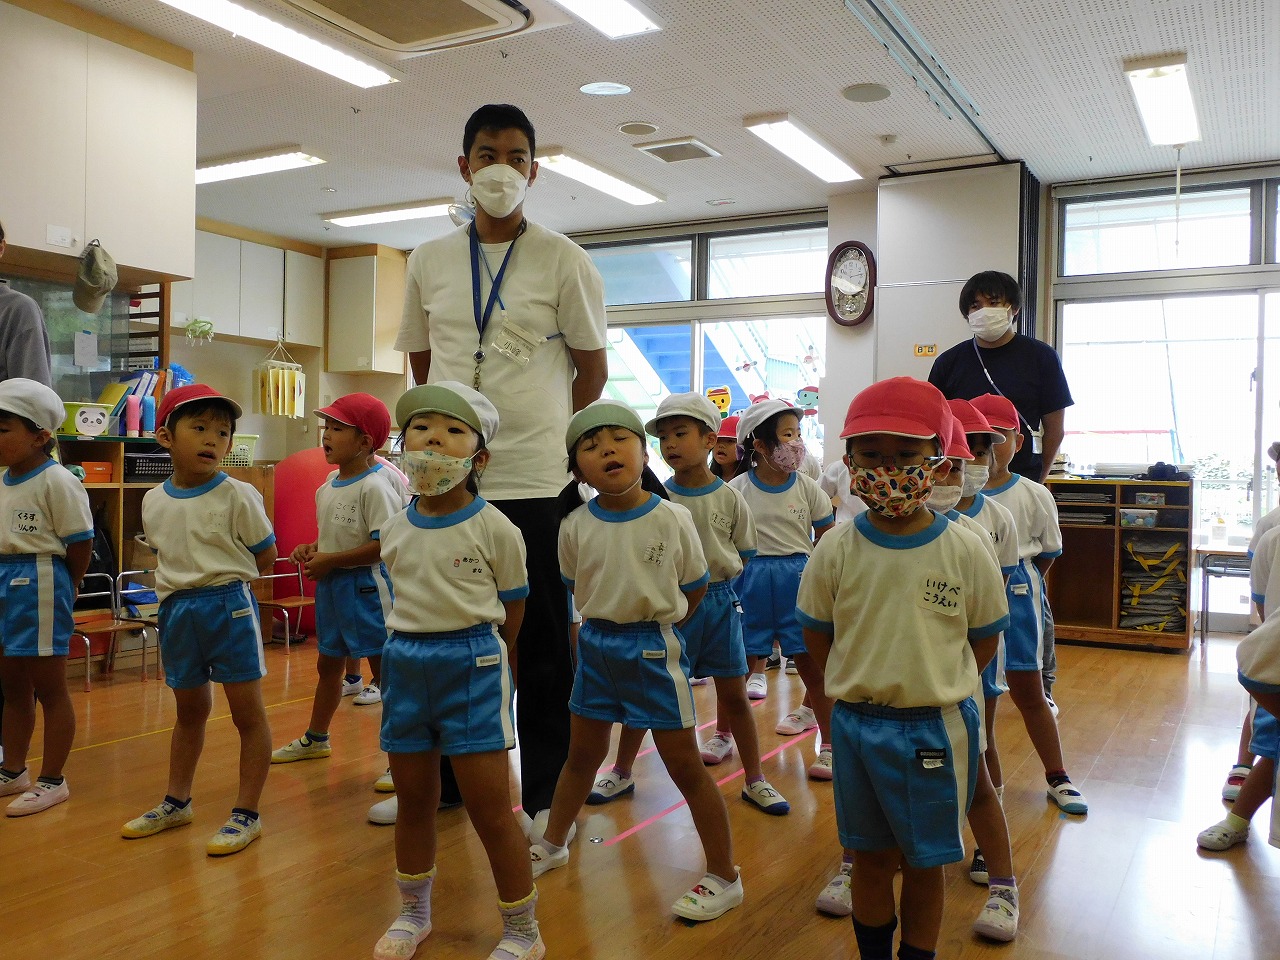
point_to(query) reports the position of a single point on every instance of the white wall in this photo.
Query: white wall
(850, 350)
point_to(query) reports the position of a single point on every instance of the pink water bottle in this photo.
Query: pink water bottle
(132, 415)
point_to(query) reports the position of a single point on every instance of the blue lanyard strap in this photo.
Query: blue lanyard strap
(482, 318)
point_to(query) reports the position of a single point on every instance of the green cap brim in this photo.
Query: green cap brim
(430, 398)
(602, 413)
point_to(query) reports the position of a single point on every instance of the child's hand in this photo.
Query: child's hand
(318, 566)
(303, 552)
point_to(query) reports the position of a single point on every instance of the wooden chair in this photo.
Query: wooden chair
(137, 607)
(291, 573)
(105, 621)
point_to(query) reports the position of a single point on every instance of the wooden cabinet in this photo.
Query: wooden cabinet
(215, 289)
(303, 299)
(366, 300)
(261, 291)
(1120, 581)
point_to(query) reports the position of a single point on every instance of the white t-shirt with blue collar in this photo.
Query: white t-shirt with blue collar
(724, 524)
(349, 513)
(1000, 526)
(43, 511)
(785, 515)
(205, 536)
(1035, 514)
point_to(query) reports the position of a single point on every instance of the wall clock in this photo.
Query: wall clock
(851, 283)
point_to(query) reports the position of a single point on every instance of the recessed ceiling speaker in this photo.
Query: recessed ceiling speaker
(638, 128)
(865, 92)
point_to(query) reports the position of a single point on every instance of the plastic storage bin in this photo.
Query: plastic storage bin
(1138, 518)
(241, 452)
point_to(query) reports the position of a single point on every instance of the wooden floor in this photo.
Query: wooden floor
(1149, 738)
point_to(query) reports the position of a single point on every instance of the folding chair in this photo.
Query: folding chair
(99, 622)
(291, 574)
(137, 605)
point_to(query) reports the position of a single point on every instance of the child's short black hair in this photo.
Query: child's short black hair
(198, 408)
(993, 285)
(494, 117)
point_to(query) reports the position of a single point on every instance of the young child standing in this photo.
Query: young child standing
(726, 456)
(458, 566)
(45, 546)
(1258, 660)
(900, 609)
(685, 425)
(636, 568)
(1039, 542)
(353, 592)
(790, 512)
(211, 536)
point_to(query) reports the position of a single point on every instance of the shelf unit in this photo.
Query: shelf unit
(1084, 584)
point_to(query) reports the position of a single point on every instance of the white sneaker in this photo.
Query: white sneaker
(237, 833)
(999, 918)
(820, 769)
(20, 783)
(370, 694)
(163, 816)
(709, 899)
(384, 812)
(544, 859)
(757, 686)
(1222, 836)
(610, 786)
(1235, 780)
(351, 687)
(41, 796)
(304, 748)
(836, 898)
(1068, 798)
(791, 670)
(537, 827)
(762, 794)
(1053, 708)
(716, 749)
(384, 784)
(797, 721)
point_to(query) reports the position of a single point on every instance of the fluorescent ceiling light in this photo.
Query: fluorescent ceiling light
(1164, 99)
(418, 210)
(243, 22)
(613, 18)
(268, 161)
(557, 161)
(787, 137)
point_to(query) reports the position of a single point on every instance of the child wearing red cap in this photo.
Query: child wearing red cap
(353, 590)
(1039, 543)
(900, 609)
(212, 537)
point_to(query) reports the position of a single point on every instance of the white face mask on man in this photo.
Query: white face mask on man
(990, 323)
(498, 189)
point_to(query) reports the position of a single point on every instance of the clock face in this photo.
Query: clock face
(851, 278)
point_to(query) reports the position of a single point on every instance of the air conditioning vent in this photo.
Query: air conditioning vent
(673, 151)
(410, 29)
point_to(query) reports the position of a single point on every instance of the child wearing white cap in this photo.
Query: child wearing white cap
(685, 425)
(791, 513)
(637, 571)
(458, 567)
(45, 546)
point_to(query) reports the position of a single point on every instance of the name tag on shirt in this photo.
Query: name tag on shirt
(345, 514)
(468, 568)
(940, 595)
(25, 521)
(515, 342)
(655, 551)
(799, 511)
(722, 521)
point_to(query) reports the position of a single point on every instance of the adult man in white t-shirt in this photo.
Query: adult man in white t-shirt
(517, 311)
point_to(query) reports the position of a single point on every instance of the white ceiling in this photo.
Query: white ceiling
(1045, 74)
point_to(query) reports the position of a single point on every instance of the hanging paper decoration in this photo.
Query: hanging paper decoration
(280, 386)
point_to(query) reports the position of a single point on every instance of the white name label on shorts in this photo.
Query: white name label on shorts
(1020, 589)
(20, 582)
(940, 595)
(653, 654)
(490, 660)
(246, 612)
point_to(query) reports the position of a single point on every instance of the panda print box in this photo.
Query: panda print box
(86, 419)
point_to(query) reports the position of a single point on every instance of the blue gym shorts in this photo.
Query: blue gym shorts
(905, 778)
(769, 586)
(449, 691)
(632, 673)
(352, 606)
(713, 635)
(211, 633)
(1266, 736)
(994, 682)
(36, 598)
(1024, 639)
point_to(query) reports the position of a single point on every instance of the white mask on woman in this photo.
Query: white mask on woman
(990, 323)
(498, 189)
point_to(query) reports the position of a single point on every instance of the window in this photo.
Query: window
(652, 272)
(767, 264)
(1206, 228)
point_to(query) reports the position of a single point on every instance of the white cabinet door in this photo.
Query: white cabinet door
(140, 191)
(42, 119)
(215, 294)
(303, 299)
(261, 291)
(352, 293)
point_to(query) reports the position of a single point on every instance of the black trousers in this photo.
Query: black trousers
(543, 662)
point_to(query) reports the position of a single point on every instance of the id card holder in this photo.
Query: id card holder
(515, 342)
(1037, 441)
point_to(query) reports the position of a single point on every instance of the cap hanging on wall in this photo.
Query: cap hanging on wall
(95, 279)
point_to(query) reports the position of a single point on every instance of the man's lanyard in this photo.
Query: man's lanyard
(482, 317)
(978, 353)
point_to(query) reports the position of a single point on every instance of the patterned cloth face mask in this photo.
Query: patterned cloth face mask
(892, 491)
(788, 456)
(432, 474)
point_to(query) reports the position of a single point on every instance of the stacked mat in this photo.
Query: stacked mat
(1153, 584)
